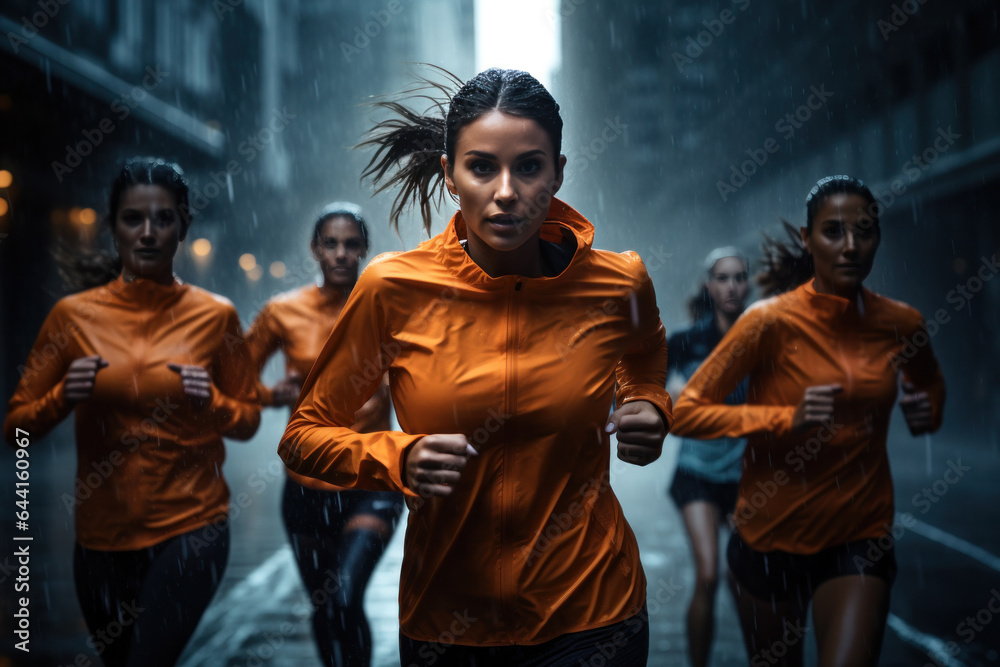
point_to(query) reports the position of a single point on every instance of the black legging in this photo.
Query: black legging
(142, 607)
(336, 564)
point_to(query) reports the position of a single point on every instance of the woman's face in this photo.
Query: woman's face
(147, 230)
(727, 285)
(339, 250)
(842, 243)
(505, 174)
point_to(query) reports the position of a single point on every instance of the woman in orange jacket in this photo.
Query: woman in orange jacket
(814, 516)
(157, 373)
(506, 339)
(334, 533)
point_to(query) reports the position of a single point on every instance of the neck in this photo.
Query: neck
(725, 320)
(823, 287)
(331, 290)
(525, 261)
(162, 279)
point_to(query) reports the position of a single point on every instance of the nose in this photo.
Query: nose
(850, 243)
(505, 194)
(147, 235)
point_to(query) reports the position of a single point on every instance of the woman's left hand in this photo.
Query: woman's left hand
(640, 431)
(917, 409)
(196, 382)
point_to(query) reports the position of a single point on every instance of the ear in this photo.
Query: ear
(184, 232)
(449, 182)
(314, 247)
(560, 172)
(804, 235)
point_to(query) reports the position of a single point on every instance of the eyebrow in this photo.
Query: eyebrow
(491, 156)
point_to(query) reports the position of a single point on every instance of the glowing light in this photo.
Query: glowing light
(201, 247)
(278, 269)
(74, 215)
(255, 273)
(6, 178)
(4, 207)
(519, 34)
(88, 216)
(247, 261)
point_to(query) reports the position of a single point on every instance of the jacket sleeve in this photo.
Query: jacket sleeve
(641, 375)
(263, 340)
(235, 408)
(923, 372)
(39, 402)
(701, 411)
(319, 441)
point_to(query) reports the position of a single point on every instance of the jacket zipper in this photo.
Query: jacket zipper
(508, 587)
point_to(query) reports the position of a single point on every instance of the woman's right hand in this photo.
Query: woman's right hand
(816, 407)
(286, 391)
(435, 462)
(80, 378)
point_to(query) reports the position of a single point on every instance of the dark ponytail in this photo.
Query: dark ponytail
(786, 265)
(81, 268)
(409, 145)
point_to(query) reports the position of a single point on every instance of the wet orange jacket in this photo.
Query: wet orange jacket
(298, 323)
(804, 492)
(149, 464)
(532, 543)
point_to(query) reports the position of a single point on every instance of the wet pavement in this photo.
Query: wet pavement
(949, 564)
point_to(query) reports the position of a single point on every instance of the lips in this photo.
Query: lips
(508, 220)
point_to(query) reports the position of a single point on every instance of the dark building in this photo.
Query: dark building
(733, 111)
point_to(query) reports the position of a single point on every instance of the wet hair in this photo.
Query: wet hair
(409, 145)
(83, 269)
(700, 305)
(341, 209)
(786, 265)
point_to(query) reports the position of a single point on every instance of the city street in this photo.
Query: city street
(949, 574)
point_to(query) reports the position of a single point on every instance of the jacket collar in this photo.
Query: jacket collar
(561, 221)
(143, 294)
(832, 308)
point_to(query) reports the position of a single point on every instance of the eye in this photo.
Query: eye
(481, 167)
(166, 217)
(530, 166)
(833, 231)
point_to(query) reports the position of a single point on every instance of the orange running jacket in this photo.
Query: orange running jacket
(298, 323)
(532, 543)
(149, 464)
(804, 492)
